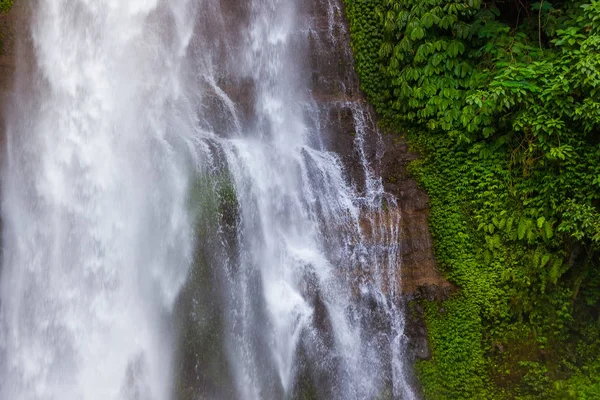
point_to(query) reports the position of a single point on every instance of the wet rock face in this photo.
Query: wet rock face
(335, 87)
(419, 269)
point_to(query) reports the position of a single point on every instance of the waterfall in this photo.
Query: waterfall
(96, 238)
(176, 224)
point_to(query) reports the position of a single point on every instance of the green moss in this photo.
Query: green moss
(212, 198)
(203, 365)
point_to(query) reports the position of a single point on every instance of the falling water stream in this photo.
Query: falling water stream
(175, 223)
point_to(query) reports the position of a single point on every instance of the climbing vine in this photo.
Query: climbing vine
(502, 99)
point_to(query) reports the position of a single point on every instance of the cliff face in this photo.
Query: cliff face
(336, 88)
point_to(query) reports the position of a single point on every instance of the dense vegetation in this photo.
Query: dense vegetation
(502, 99)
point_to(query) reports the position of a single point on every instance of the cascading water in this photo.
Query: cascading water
(305, 262)
(176, 164)
(96, 238)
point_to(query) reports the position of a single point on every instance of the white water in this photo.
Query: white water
(96, 238)
(129, 108)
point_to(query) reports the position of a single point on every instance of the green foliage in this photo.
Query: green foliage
(5, 5)
(502, 99)
(366, 42)
(455, 333)
(585, 385)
